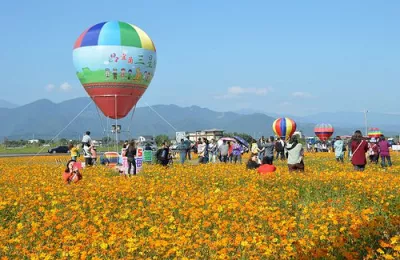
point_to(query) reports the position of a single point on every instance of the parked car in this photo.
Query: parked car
(149, 145)
(59, 149)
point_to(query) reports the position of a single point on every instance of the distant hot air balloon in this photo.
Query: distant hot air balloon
(115, 62)
(284, 127)
(374, 133)
(323, 131)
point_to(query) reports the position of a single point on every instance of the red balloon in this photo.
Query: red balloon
(324, 131)
(266, 168)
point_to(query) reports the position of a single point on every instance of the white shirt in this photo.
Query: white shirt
(86, 139)
(201, 147)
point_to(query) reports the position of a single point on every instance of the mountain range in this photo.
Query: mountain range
(6, 104)
(45, 119)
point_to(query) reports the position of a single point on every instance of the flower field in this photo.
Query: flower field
(213, 211)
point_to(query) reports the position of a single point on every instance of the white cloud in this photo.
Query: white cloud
(300, 94)
(65, 87)
(239, 90)
(236, 91)
(50, 87)
(285, 104)
(106, 62)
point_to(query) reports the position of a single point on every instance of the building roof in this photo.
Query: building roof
(213, 130)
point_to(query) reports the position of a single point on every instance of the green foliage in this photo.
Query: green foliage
(106, 140)
(160, 139)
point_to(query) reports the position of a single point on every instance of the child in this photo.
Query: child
(71, 173)
(93, 152)
(74, 152)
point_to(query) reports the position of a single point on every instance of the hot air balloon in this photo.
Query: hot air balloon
(284, 127)
(115, 62)
(323, 131)
(374, 133)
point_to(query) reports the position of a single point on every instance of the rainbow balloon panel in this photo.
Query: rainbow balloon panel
(284, 127)
(374, 132)
(115, 63)
(115, 33)
(323, 131)
(112, 157)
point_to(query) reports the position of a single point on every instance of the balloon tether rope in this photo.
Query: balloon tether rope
(62, 130)
(166, 121)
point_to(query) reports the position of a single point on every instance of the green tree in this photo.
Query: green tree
(63, 141)
(161, 138)
(106, 140)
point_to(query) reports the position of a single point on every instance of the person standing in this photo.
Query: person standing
(163, 154)
(373, 151)
(237, 153)
(74, 151)
(188, 148)
(213, 151)
(93, 153)
(338, 146)
(254, 147)
(200, 150)
(260, 145)
(350, 153)
(206, 150)
(269, 151)
(295, 155)
(384, 149)
(230, 151)
(358, 147)
(87, 154)
(86, 139)
(182, 148)
(131, 154)
(280, 148)
(223, 149)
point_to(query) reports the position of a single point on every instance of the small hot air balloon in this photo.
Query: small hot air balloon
(374, 133)
(115, 62)
(284, 127)
(323, 131)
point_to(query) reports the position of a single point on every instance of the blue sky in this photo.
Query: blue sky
(295, 57)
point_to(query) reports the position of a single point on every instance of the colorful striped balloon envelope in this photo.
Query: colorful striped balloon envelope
(284, 127)
(112, 158)
(323, 131)
(374, 132)
(115, 63)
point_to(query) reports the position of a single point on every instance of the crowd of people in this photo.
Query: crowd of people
(264, 150)
(211, 151)
(263, 153)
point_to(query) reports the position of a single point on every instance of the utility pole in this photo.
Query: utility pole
(366, 121)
